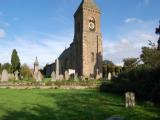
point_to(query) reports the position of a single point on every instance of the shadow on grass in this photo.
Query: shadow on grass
(72, 105)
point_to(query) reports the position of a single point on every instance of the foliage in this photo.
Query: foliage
(130, 63)
(6, 66)
(108, 66)
(26, 72)
(37, 104)
(143, 80)
(150, 56)
(15, 61)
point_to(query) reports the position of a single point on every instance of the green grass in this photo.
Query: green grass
(55, 104)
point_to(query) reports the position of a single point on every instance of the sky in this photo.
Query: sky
(44, 28)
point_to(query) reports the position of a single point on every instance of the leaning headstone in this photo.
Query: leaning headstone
(16, 75)
(129, 99)
(61, 77)
(66, 75)
(53, 76)
(5, 76)
(109, 76)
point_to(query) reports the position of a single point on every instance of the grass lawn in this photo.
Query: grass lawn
(55, 104)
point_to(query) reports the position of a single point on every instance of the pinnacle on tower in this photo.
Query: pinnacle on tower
(36, 61)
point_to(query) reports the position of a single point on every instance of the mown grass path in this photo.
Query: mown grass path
(55, 104)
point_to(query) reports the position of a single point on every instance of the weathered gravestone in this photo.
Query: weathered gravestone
(57, 69)
(53, 76)
(129, 99)
(5, 76)
(39, 77)
(76, 76)
(61, 77)
(109, 76)
(11, 76)
(16, 75)
(0, 77)
(66, 75)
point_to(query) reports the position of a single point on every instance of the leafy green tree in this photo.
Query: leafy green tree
(130, 63)
(108, 66)
(26, 72)
(6, 66)
(15, 61)
(150, 56)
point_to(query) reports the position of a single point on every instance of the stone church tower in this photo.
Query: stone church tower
(84, 56)
(88, 39)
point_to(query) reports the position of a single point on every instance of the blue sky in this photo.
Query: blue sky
(43, 28)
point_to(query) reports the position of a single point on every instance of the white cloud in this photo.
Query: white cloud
(133, 20)
(129, 43)
(46, 49)
(2, 33)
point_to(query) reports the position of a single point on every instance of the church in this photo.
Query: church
(85, 53)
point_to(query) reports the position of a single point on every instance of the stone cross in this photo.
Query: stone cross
(53, 76)
(129, 99)
(5, 76)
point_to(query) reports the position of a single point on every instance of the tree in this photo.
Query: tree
(15, 61)
(108, 66)
(130, 63)
(26, 72)
(150, 56)
(6, 66)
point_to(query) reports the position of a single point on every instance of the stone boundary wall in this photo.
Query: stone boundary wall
(43, 86)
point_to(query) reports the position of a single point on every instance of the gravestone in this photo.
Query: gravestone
(66, 75)
(39, 77)
(0, 77)
(11, 77)
(5, 76)
(53, 76)
(16, 75)
(61, 77)
(57, 69)
(129, 99)
(75, 76)
(109, 76)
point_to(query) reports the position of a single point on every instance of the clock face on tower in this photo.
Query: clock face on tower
(91, 24)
